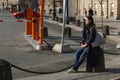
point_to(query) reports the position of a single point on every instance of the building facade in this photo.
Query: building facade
(19, 4)
(110, 8)
(7, 3)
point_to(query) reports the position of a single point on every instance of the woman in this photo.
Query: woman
(88, 35)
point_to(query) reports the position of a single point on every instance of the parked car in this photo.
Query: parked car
(22, 15)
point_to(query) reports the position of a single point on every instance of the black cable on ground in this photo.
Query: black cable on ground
(35, 72)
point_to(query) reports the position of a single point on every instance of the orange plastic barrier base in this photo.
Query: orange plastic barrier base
(28, 28)
(35, 28)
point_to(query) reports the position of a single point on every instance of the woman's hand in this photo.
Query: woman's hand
(83, 45)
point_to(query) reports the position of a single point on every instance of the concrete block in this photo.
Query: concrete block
(45, 32)
(65, 48)
(77, 22)
(42, 47)
(106, 30)
(56, 18)
(60, 20)
(67, 32)
(100, 67)
(118, 46)
(35, 44)
(101, 62)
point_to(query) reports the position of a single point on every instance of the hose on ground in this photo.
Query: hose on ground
(35, 72)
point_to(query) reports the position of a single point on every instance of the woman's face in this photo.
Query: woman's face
(87, 21)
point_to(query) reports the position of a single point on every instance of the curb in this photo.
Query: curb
(34, 43)
(117, 78)
(114, 38)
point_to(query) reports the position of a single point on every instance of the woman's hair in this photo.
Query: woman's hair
(90, 18)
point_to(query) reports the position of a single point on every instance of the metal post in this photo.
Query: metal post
(64, 12)
(54, 10)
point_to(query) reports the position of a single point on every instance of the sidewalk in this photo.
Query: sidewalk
(112, 64)
(113, 25)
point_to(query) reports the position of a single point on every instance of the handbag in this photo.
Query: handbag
(99, 40)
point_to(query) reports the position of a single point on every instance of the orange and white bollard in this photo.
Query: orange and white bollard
(35, 28)
(29, 16)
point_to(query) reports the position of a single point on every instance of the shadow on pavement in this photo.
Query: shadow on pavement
(114, 70)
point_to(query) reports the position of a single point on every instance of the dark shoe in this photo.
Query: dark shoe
(72, 71)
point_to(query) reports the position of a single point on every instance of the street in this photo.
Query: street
(15, 49)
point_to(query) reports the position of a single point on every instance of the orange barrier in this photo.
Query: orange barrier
(29, 16)
(35, 28)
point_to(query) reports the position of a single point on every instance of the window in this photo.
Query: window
(112, 9)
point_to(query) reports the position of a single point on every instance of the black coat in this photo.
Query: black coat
(88, 34)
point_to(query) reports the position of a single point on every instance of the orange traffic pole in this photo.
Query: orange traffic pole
(35, 29)
(41, 21)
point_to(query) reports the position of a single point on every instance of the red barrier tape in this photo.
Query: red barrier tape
(15, 20)
(1, 20)
(19, 20)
